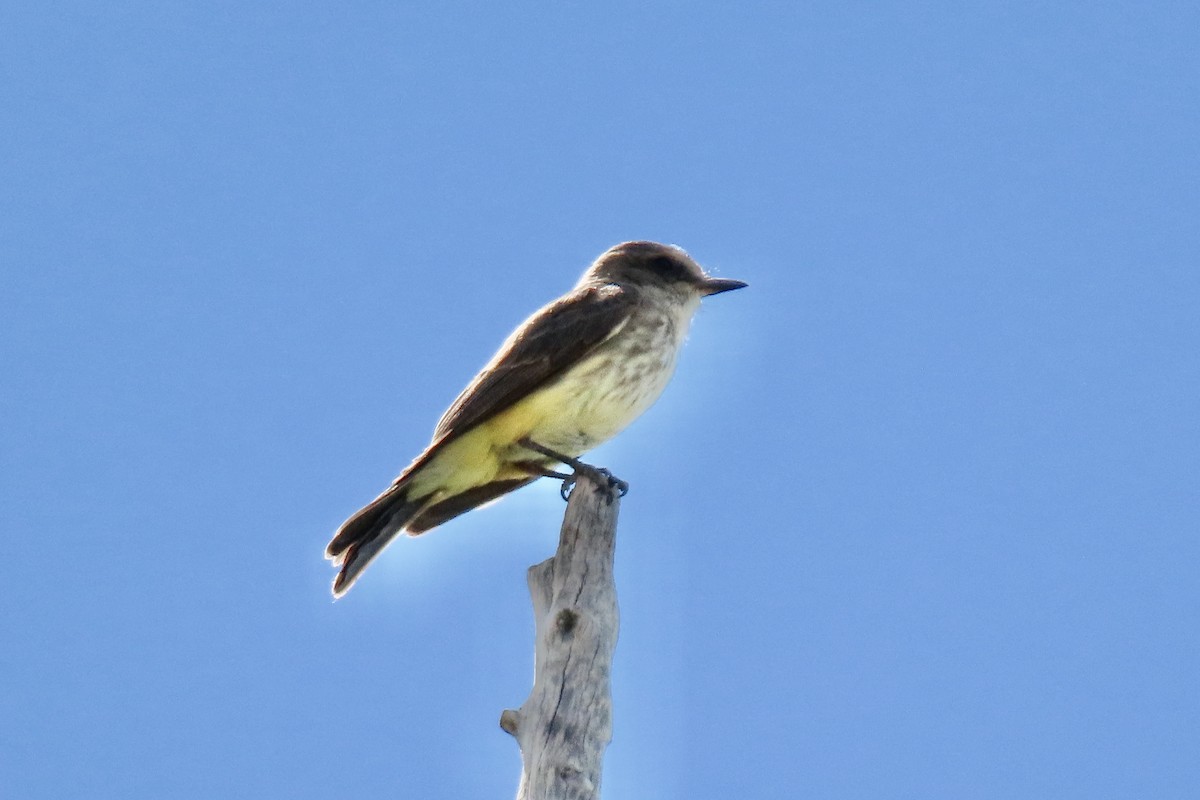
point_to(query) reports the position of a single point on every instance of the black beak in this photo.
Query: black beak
(717, 285)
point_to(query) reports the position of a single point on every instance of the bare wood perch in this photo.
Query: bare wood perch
(565, 725)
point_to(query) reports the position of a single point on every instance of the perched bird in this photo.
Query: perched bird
(570, 377)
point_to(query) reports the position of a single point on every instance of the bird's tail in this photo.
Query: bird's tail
(362, 537)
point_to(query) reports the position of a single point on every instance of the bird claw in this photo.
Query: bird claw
(598, 474)
(621, 487)
(612, 481)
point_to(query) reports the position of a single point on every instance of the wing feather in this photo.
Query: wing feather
(537, 353)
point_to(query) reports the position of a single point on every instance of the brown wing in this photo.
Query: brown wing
(543, 348)
(535, 354)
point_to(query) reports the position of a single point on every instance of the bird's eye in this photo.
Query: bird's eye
(669, 268)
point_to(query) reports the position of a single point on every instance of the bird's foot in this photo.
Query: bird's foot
(614, 483)
(599, 474)
(568, 485)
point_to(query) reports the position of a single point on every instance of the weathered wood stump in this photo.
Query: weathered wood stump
(565, 725)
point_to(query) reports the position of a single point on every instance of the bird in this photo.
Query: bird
(570, 377)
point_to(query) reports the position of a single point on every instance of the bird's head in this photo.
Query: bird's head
(654, 265)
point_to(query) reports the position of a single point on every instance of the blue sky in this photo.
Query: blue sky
(916, 518)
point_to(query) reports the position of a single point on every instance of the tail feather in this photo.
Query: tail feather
(362, 537)
(448, 508)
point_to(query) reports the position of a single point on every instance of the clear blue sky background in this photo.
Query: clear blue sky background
(917, 517)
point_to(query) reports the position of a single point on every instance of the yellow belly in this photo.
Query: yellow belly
(587, 405)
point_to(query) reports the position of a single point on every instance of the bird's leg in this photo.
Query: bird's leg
(600, 474)
(535, 468)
